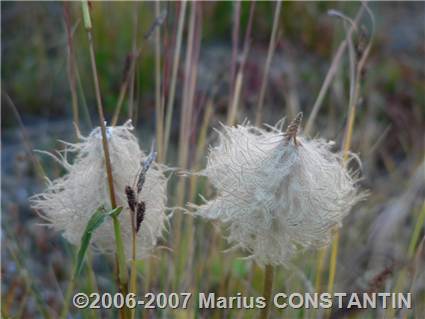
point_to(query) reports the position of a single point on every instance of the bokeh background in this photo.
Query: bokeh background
(44, 48)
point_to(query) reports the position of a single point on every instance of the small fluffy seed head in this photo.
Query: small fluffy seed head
(69, 201)
(275, 194)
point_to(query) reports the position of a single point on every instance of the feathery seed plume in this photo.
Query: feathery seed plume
(69, 201)
(277, 192)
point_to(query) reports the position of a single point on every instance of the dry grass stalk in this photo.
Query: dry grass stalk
(357, 68)
(176, 61)
(331, 73)
(237, 87)
(71, 67)
(272, 47)
(159, 101)
(186, 127)
(236, 19)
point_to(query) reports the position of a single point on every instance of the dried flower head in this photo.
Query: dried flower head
(69, 201)
(276, 191)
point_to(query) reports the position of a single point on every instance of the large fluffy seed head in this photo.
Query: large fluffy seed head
(69, 201)
(276, 196)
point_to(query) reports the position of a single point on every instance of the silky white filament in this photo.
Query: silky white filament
(69, 201)
(276, 194)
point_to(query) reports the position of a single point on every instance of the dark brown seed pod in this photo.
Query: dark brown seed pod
(140, 214)
(131, 198)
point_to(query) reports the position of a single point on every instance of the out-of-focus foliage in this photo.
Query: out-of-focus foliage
(388, 136)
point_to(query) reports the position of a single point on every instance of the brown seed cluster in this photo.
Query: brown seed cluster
(136, 207)
(140, 214)
(139, 207)
(131, 198)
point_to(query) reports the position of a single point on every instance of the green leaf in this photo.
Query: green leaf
(115, 212)
(94, 223)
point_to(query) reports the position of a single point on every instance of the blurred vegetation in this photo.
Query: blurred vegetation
(35, 46)
(388, 134)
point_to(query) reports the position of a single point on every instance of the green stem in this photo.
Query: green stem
(122, 267)
(67, 297)
(133, 270)
(120, 254)
(91, 279)
(267, 291)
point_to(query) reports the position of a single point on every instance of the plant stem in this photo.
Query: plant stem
(186, 122)
(319, 269)
(71, 65)
(133, 271)
(420, 221)
(159, 106)
(356, 77)
(124, 85)
(132, 73)
(122, 268)
(235, 44)
(100, 111)
(231, 115)
(332, 263)
(176, 61)
(82, 96)
(272, 46)
(267, 291)
(91, 277)
(67, 297)
(120, 254)
(237, 86)
(330, 75)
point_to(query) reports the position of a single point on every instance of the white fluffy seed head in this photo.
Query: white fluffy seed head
(275, 196)
(69, 201)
